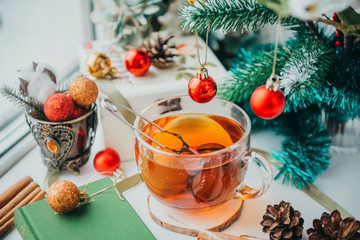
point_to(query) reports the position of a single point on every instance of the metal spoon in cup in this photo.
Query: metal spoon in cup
(110, 105)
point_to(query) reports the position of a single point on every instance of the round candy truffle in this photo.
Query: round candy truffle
(63, 196)
(83, 91)
(59, 107)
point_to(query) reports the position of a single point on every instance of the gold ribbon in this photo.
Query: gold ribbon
(128, 183)
(106, 87)
(312, 191)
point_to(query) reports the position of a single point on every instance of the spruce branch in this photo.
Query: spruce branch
(250, 74)
(229, 16)
(23, 101)
(314, 29)
(304, 73)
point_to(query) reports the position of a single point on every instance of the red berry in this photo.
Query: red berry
(335, 18)
(338, 43)
(337, 34)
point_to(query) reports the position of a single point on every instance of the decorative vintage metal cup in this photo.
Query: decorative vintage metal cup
(217, 173)
(65, 145)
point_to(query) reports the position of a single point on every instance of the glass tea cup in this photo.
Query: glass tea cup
(220, 131)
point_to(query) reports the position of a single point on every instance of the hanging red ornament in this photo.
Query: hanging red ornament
(107, 160)
(268, 101)
(202, 88)
(137, 62)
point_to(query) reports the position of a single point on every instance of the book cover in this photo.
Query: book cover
(106, 217)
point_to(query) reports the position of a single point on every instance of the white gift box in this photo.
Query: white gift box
(141, 91)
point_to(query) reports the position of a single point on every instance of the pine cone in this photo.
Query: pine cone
(282, 222)
(332, 227)
(159, 51)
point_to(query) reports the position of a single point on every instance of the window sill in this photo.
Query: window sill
(20, 150)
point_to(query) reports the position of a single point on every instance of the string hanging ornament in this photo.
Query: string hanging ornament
(202, 88)
(268, 101)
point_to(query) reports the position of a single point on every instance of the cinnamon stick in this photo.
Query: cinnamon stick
(12, 191)
(18, 198)
(10, 223)
(38, 197)
(25, 201)
(6, 226)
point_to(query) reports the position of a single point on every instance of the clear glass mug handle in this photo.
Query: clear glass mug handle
(246, 192)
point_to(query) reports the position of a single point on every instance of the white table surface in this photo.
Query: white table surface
(340, 182)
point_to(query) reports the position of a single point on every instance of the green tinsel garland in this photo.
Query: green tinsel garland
(304, 153)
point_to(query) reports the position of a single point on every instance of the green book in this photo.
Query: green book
(107, 217)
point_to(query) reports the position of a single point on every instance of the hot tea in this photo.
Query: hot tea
(200, 182)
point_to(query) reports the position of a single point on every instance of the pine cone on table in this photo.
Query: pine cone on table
(159, 51)
(282, 222)
(332, 227)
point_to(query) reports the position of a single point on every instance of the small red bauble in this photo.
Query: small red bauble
(268, 101)
(137, 62)
(202, 88)
(59, 107)
(107, 160)
(338, 43)
(78, 112)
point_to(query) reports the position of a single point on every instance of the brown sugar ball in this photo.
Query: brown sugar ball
(83, 91)
(63, 196)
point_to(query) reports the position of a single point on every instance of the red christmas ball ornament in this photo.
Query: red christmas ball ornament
(107, 160)
(137, 62)
(59, 107)
(202, 88)
(268, 101)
